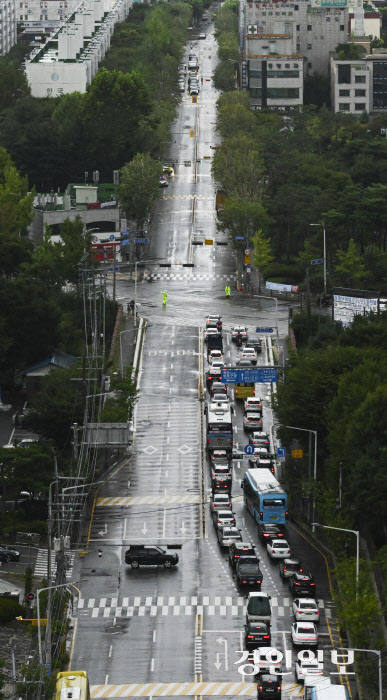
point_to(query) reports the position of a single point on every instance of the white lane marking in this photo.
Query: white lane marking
(110, 651)
(152, 667)
(164, 521)
(166, 474)
(124, 532)
(154, 636)
(106, 679)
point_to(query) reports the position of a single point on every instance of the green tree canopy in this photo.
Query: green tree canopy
(140, 186)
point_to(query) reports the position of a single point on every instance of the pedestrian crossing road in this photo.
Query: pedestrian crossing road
(192, 689)
(148, 500)
(178, 605)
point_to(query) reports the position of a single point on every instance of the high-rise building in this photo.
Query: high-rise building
(360, 85)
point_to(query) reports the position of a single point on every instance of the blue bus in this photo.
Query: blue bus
(264, 497)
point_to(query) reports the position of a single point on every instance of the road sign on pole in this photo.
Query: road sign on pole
(259, 375)
(264, 330)
(281, 452)
(317, 262)
(297, 454)
(239, 238)
(249, 449)
(141, 240)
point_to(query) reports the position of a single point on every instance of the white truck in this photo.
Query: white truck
(321, 688)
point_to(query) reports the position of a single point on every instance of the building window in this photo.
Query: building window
(360, 93)
(309, 27)
(285, 93)
(296, 7)
(341, 27)
(360, 78)
(277, 14)
(309, 46)
(279, 65)
(380, 85)
(344, 93)
(337, 19)
(270, 14)
(360, 106)
(255, 92)
(287, 65)
(309, 66)
(270, 65)
(282, 74)
(295, 65)
(298, 26)
(263, 14)
(327, 19)
(255, 73)
(344, 106)
(344, 74)
(21, 17)
(290, 14)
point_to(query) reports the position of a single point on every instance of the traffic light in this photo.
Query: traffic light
(30, 597)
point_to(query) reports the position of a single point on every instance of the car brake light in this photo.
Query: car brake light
(245, 582)
(300, 570)
(284, 569)
(266, 636)
(247, 421)
(260, 687)
(312, 584)
(250, 636)
(296, 584)
(278, 687)
(236, 556)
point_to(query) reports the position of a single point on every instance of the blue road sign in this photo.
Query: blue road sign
(110, 269)
(249, 449)
(239, 238)
(264, 330)
(317, 262)
(281, 452)
(112, 237)
(261, 375)
(141, 240)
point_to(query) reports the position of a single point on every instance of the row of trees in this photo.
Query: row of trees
(283, 174)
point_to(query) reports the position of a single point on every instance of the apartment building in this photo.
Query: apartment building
(7, 26)
(358, 86)
(69, 60)
(275, 73)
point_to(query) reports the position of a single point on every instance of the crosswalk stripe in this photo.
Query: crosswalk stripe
(187, 688)
(147, 500)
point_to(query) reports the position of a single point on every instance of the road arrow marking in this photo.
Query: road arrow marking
(103, 532)
(144, 529)
(183, 528)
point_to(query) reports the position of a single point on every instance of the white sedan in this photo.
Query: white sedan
(250, 354)
(306, 609)
(307, 668)
(304, 634)
(278, 549)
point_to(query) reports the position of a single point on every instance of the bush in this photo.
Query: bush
(9, 609)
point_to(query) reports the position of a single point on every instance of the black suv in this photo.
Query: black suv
(269, 687)
(241, 550)
(257, 634)
(248, 573)
(267, 532)
(288, 567)
(145, 555)
(302, 585)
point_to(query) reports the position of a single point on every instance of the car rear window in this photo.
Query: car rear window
(249, 568)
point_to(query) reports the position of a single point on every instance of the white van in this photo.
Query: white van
(258, 607)
(321, 688)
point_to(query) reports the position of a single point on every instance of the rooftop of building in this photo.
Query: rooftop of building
(105, 197)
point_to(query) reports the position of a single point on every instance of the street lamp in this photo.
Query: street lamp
(89, 396)
(354, 532)
(38, 592)
(306, 430)
(325, 254)
(379, 654)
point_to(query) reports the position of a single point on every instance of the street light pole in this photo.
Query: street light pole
(379, 655)
(306, 430)
(38, 592)
(354, 532)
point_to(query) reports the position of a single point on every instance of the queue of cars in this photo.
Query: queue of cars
(243, 556)
(193, 82)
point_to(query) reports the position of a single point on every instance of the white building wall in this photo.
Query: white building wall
(7, 25)
(56, 78)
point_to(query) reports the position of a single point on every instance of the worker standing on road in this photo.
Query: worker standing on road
(227, 290)
(165, 296)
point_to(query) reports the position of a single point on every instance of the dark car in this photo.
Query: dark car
(268, 531)
(288, 567)
(259, 439)
(8, 553)
(248, 573)
(150, 555)
(241, 550)
(219, 457)
(302, 585)
(257, 634)
(217, 388)
(252, 421)
(220, 478)
(269, 686)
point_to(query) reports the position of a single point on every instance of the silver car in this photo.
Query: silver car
(220, 501)
(223, 517)
(228, 535)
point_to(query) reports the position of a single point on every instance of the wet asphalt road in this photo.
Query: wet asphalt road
(147, 632)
